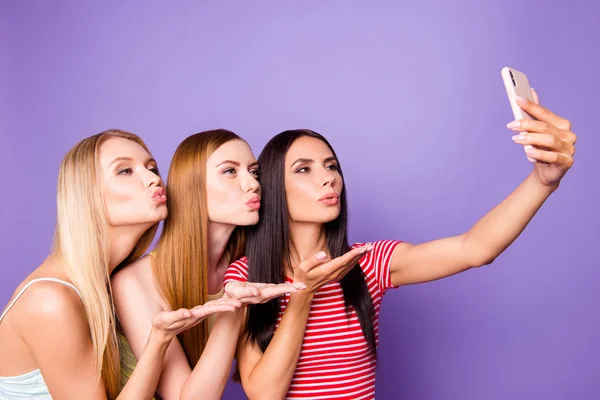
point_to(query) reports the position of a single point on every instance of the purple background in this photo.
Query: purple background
(410, 96)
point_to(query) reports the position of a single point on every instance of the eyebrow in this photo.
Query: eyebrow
(150, 159)
(308, 160)
(237, 164)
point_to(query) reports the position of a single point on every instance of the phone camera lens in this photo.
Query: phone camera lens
(512, 77)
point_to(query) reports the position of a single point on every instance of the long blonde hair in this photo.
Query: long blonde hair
(81, 241)
(180, 262)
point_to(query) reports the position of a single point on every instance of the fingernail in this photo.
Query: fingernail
(520, 100)
(255, 292)
(529, 149)
(321, 255)
(513, 124)
(518, 138)
(300, 285)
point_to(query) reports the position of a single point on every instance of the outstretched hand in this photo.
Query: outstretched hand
(258, 293)
(548, 140)
(172, 323)
(317, 271)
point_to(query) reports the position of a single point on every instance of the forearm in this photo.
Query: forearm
(493, 233)
(144, 379)
(271, 376)
(209, 377)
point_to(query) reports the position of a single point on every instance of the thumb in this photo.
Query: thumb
(314, 261)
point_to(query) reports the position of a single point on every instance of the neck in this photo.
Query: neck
(122, 240)
(218, 237)
(306, 239)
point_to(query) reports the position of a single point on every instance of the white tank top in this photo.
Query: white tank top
(30, 386)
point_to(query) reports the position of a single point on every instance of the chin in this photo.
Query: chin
(322, 217)
(161, 215)
(251, 219)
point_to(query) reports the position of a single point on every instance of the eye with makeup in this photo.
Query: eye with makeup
(154, 170)
(129, 170)
(124, 171)
(229, 171)
(332, 167)
(303, 169)
(255, 173)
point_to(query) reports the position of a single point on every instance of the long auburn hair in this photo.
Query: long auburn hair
(81, 242)
(180, 262)
(268, 245)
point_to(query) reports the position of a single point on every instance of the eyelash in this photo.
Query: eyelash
(128, 171)
(232, 171)
(333, 167)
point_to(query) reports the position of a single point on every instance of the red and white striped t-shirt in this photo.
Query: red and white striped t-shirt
(335, 361)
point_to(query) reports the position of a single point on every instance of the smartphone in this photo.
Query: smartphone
(517, 84)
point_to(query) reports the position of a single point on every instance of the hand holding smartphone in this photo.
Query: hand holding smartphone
(517, 84)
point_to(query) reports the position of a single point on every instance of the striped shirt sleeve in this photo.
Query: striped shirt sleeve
(237, 271)
(378, 262)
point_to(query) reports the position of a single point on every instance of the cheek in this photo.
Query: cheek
(298, 193)
(122, 203)
(220, 198)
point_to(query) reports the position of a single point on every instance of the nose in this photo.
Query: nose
(151, 179)
(251, 184)
(329, 179)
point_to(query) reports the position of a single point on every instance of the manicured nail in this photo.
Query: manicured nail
(529, 149)
(321, 255)
(513, 124)
(300, 286)
(518, 138)
(520, 100)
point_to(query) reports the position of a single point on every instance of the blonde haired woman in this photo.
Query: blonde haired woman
(213, 193)
(57, 334)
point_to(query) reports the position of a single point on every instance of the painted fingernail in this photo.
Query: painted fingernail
(255, 292)
(529, 149)
(520, 100)
(513, 124)
(518, 138)
(300, 285)
(321, 255)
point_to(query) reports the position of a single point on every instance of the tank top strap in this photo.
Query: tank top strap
(12, 303)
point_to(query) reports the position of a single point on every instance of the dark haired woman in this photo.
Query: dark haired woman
(321, 342)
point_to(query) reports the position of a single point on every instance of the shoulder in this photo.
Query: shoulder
(134, 274)
(380, 247)
(135, 283)
(237, 270)
(49, 306)
(243, 261)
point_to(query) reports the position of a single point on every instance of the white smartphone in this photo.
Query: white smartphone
(517, 84)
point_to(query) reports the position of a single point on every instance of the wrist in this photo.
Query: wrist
(546, 189)
(159, 339)
(303, 297)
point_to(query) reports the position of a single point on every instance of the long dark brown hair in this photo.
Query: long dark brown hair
(268, 245)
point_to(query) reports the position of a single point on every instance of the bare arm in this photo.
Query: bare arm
(55, 329)
(492, 234)
(268, 375)
(209, 377)
(210, 374)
